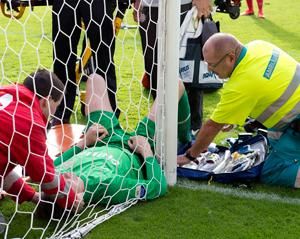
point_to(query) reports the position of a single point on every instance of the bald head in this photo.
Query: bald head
(220, 44)
(221, 52)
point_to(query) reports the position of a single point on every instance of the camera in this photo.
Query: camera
(231, 7)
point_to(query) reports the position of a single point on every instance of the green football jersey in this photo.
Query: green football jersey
(114, 175)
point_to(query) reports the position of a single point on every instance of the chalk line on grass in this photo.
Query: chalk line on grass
(236, 192)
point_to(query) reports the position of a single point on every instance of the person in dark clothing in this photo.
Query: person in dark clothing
(148, 17)
(97, 16)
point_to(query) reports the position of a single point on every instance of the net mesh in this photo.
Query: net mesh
(74, 39)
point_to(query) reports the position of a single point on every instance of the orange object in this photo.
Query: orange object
(117, 24)
(61, 137)
(12, 13)
(146, 81)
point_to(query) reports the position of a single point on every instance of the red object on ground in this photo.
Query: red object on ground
(146, 81)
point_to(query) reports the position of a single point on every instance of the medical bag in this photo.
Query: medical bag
(241, 162)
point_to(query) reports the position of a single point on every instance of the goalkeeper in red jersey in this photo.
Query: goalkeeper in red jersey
(121, 165)
(24, 112)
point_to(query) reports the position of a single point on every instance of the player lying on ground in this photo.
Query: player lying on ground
(118, 165)
(24, 111)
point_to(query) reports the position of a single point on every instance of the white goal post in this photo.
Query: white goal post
(168, 60)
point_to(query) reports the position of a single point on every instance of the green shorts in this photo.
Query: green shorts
(283, 162)
(116, 135)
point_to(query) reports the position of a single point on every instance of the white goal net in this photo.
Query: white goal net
(74, 39)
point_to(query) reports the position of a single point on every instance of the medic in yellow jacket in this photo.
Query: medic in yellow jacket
(263, 83)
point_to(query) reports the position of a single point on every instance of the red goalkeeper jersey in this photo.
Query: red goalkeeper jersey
(23, 142)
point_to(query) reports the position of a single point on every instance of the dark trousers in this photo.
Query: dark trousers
(66, 29)
(149, 44)
(196, 105)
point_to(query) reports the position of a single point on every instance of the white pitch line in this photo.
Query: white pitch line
(272, 197)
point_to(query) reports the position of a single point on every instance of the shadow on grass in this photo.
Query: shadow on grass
(279, 31)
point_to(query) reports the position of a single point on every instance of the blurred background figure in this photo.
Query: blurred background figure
(146, 14)
(67, 18)
(250, 10)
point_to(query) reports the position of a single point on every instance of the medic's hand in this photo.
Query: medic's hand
(77, 186)
(36, 198)
(182, 160)
(78, 203)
